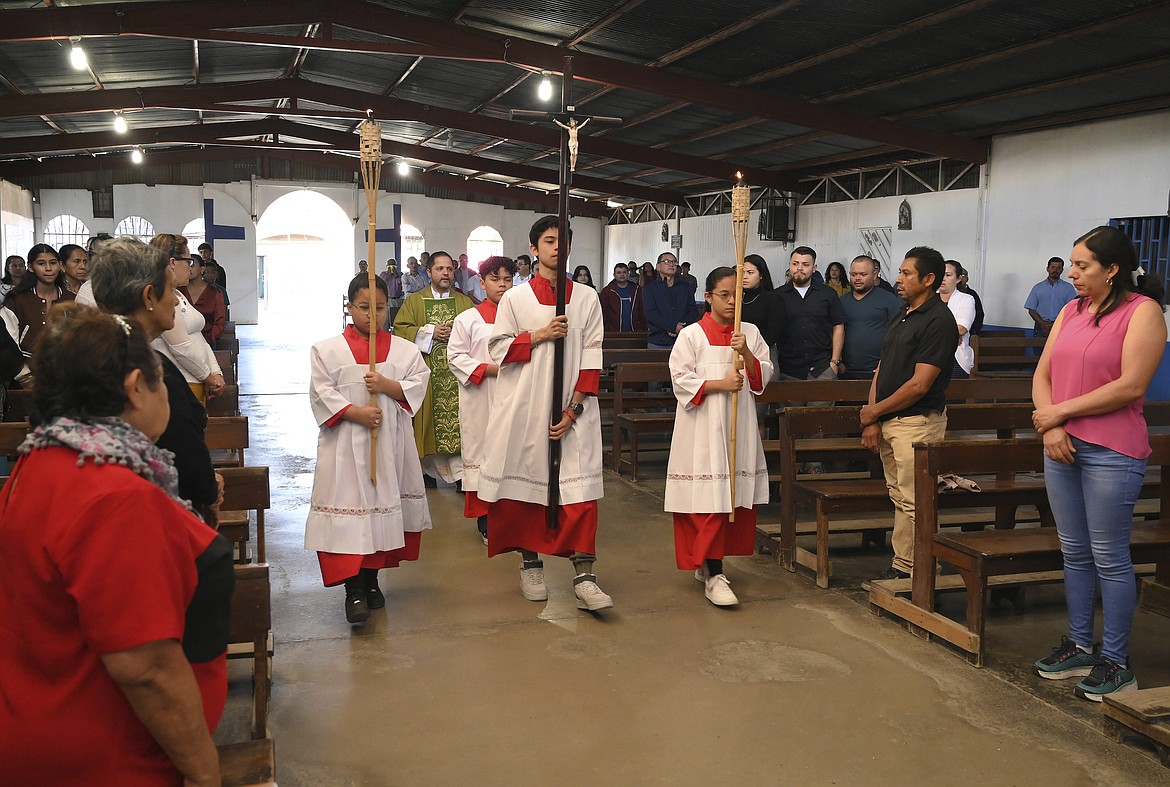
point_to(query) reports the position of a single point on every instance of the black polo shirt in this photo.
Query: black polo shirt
(926, 335)
(806, 344)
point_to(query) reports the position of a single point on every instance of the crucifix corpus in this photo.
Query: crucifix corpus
(571, 122)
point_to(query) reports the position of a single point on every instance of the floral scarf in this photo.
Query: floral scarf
(109, 440)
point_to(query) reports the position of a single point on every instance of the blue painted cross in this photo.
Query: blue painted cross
(390, 235)
(215, 231)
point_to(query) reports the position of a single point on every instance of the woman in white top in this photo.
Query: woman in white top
(962, 306)
(184, 344)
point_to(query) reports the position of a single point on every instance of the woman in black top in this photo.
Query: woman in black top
(760, 306)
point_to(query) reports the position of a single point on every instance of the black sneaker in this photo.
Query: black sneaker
(374, 598)
(356, 608)
(1107, 677)
(892, 573)
(1065, 661)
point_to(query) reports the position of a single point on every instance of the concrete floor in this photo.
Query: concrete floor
(461, 681)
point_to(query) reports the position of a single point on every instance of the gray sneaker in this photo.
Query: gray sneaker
(1066, 661)
(589, 595)
(532, 581)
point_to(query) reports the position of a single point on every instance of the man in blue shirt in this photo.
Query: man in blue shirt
(669, 304)
(1048, 297)
(868, 311)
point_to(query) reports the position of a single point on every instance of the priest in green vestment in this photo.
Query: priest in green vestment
(425, 319)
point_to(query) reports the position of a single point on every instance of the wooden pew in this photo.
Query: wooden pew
(1022, 556)
(227, 437)
(251, 636)
(245, 491)
(226, 404)
(18, 404)
(610, 358)
(227, 365)
(619, 340)
(1005, 356)
(12, 434)
(627, 422)
(247, 764)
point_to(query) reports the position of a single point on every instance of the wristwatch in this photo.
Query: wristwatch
(836, 362)
(576, 408)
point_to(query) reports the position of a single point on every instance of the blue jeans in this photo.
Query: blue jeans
(1092, 500)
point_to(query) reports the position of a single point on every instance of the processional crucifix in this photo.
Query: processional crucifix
(571, 122)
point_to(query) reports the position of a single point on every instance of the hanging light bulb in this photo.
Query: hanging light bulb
(137, 155)
(120, 124)
(544, 92)
(77, 55)
(403, 168)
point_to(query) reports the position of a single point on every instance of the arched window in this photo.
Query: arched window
(195, 233)
(413, 243)
(135, 227)
(64, 229)
(483, 242)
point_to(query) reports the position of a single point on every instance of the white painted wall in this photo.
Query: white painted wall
(1047, 188)
(17, 228)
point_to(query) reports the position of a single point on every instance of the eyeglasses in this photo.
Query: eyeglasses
(189, 260)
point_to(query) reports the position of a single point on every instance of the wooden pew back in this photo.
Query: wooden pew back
(227, 434)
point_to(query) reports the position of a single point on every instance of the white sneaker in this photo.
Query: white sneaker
(718, 591)
(589, 595)
(532, 583)
(701, 574)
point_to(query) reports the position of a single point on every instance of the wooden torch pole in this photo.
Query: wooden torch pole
(370, 135)
(740, 212)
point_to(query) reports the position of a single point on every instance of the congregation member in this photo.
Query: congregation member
(584, 277)
(836, 278)
(684, 273)
(425, 319)
(907, 398)
(136, 281)
(647, 275)
(116, 598)
(355, 526)
(1088, 390)
(1048, 297)
(413, 279)
(523, 270)
(698, 492)
(213, 274)
(464, 276)
(41, 287)
(393, 282)
(621, 303)
(977, 325)
(207, 300)
(468, 357)
(761, 306)
(868, 310)
(184, 343)
(75, 265)
(514, 477)
(810, 345)
(669, 304)
(962, 306)
(14, 268)
(208, 254)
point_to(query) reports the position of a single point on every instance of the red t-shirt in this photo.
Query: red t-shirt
(97, 560)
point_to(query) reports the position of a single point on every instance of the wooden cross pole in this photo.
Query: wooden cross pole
(570, 123)
(740, 212)
(370, 136)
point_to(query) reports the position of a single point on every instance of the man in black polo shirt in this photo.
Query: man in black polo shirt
(810, 346)
(907, 399)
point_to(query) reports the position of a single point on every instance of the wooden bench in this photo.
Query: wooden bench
(251, 636)
(226, 404)
(227, 365)
(245, 491)
(227, 438)
(247, 764)
(631, 423)
(1028, 555)
(1004, 356)
(621, 340)
(829, 498)
(12, 434)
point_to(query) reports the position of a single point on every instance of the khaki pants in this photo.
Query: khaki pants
(897, 452)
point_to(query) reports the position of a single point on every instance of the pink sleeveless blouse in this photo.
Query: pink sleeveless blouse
(1087, 356)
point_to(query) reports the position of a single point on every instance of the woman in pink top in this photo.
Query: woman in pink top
(1088, 391)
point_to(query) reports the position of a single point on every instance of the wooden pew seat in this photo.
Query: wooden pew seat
(248, 764)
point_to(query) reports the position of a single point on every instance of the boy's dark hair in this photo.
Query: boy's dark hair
(362, 282)
(928, 261)
(203, 246)
(809, 250)
(543, 225)
(493, 264)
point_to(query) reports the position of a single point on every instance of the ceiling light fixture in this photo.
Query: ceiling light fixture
(137, 155)
(612, 203)
(77, 54)
(544, 92)
(403, 168)
(120, 124)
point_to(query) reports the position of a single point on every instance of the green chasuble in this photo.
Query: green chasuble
(436, 424)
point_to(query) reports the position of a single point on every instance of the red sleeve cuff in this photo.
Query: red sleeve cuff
(698, 398)
(477, 375)
(521, 349)
(588, 382)
(754, 376)
(335, 419)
